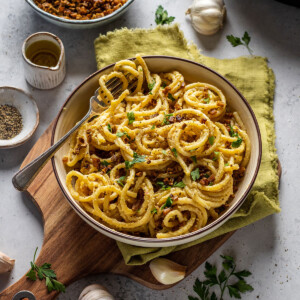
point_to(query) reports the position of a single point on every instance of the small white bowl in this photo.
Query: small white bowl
(79, 24)
(28, 110)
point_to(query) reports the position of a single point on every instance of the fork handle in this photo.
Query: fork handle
(25, 176)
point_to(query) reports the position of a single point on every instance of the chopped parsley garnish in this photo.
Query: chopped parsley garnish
(179, 184)
(165, 187)
(211, 140)
(162, 185)
(174, 151)
(120, 134)
(236, 143)
(232, 133)
(217, 155)
(163, 85)
(130, 117)
(154, 211)
(121, 180)
(162, 17)
(210, 184)
(136, 159)
(195, 174)
(171, 97)
(153, 127)
(194, 158)
(166, 119)
(236, 41)
(227, 164)
(93, 118)
(109, 128)
(206, 100)
(105, 163)
(168, 203)
(151, 85)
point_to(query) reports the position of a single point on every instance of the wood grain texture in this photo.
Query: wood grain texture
(76, 250)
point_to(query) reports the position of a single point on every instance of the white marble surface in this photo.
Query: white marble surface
(269, 248)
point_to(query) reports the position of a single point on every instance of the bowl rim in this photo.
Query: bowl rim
(78, 22)
(152, 241)
(30, 134)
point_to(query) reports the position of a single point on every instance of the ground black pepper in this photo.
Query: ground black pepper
(10, 122)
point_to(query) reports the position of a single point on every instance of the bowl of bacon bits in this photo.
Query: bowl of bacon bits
(80, 13)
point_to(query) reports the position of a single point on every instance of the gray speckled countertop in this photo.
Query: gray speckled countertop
(269, 248)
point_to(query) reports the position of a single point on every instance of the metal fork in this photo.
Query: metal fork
(22, 179)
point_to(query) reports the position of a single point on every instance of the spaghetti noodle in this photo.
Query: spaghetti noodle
(162, 160)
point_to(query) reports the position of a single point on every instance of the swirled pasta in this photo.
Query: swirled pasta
(164, 159)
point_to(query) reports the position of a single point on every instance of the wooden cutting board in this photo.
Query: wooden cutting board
(77, 250)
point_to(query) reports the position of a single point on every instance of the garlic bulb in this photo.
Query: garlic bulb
(95, 292)
(6, 263)
(166, 271)
(207, 15)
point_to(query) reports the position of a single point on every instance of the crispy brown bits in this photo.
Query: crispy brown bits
(177, 106)
(139, 174)
(220, 103)
(65, 159)
(212, 111)
(168, 181)
(166, 211)
(80, 9)
(96, 162)
(203, 121)
(183, 126)
(166, 90)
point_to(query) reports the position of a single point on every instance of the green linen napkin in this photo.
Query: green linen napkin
(255, 80)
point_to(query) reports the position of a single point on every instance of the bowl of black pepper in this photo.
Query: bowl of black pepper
(19, 117)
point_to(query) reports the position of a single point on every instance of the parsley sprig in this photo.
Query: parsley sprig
(130, 117)
(244, 41)
(168, 203)
(222, 280)
(162, 17)
(45, 272)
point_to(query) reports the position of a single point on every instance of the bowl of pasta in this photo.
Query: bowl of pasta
(167, 161)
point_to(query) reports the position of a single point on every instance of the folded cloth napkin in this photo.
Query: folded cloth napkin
(255, 80)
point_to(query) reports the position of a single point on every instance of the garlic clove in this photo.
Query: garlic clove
(207, 16)
(6, 263)
(166, 271)
(95, 292)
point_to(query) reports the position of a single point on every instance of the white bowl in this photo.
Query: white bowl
(77, 24)
(77, 104)
(28, 110)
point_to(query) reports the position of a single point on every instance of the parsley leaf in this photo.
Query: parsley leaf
(195, 174)
(194, 158)
(179, 184)
(163, 85)
(174, 151)
(166, 119)
(232, 133)
(136, 159)
(168, 203)
(217, 155)
(211, 140)
(206, 100)
(130, 117)
(153, 127)
(161, 16)
(105, 163)
(44, 272)
(171, 97)
(236, 41)
(151, 85)
(236, 143)
(154, 210)
(222, 281)
(109, 127)
(162, 185)
(120, 134)
(121, 180)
